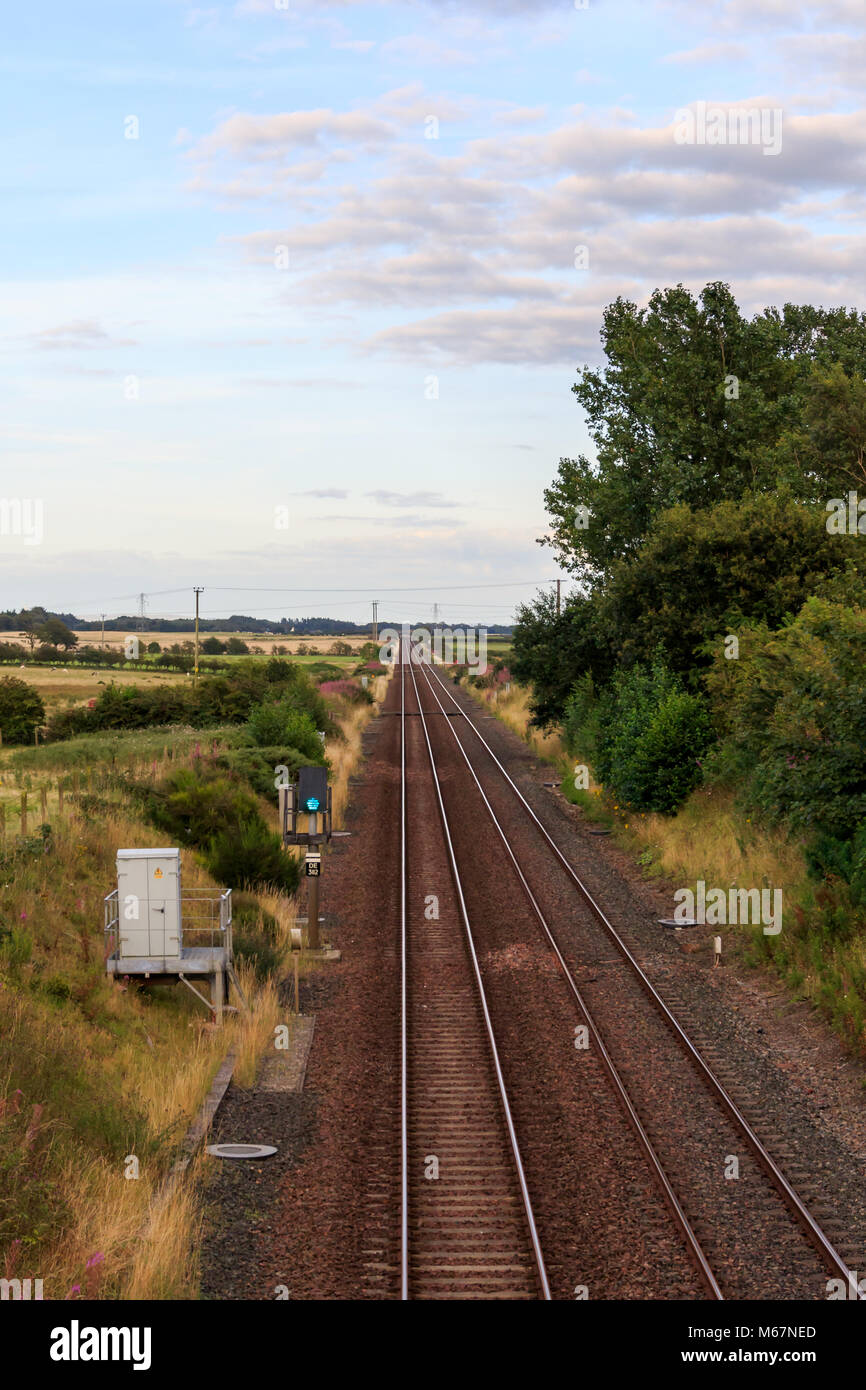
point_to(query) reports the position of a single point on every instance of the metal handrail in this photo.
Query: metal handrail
(218, 923)
(111, 921)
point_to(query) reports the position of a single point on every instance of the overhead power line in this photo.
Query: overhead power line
(69, 604)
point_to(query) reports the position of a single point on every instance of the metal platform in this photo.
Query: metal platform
(193, 960)
(205, 952)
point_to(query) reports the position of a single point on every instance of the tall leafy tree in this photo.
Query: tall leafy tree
(696, 404)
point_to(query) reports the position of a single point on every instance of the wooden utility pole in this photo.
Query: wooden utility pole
(558, 592)
(375, 620)
(102, 616)
(195, 677)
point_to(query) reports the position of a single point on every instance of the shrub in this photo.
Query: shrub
(828, 856)
(21, 710)
(281, 722)
(252, 856)
(193, 807)
(257, 766)
(652, 736)
(205, 807)
(580, 725)
(793, 711)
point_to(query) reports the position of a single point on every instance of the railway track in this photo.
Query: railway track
(753, 1237)
(467, 1225)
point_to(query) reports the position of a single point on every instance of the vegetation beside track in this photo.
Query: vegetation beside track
(95, 1071)
(821, 953)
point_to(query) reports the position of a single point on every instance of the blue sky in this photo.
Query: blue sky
(402, 387)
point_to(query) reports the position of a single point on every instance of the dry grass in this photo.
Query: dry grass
(285, 912)
(165, 1260)
(710, 839)
(254, 1031)
(513, 710)
(345, 754)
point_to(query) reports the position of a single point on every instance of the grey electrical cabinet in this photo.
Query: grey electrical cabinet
(148, 903)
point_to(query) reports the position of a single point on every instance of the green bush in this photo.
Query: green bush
(279, 721)
(580, 725)
(252, 856)
(206, 807)
(225, 697)
(258, 766)
(193, 806)
(652, 735)
(793, 713)
(21, 710)
(828, 856)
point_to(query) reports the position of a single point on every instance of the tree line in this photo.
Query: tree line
(716, 540)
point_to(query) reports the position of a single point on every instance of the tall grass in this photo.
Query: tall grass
(118, 1070)
(513, 709)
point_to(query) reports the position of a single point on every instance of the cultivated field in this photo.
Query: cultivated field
(254, 641)
(70, 687)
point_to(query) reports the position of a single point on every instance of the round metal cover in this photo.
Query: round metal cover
(672, 922)
(241, 1150)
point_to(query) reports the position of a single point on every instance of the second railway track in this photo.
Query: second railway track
(751, 1237)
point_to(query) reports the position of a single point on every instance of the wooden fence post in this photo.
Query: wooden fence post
(23, 813)
(43, 800)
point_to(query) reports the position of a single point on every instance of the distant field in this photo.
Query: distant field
(253, 640)
(60, 687)
(71, 687)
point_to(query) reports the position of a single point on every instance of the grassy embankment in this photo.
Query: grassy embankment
(713, 839)
(93, 1071)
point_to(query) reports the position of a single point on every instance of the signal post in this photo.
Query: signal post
(310, 797)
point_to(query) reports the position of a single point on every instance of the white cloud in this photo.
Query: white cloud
(711, 53)
(82, 335)
(409, 499)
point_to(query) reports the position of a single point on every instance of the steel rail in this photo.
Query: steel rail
(668, 1191)
(771, 1168)
(404, 1066)
(500, 1079)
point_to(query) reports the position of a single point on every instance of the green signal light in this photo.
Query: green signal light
(312, 803)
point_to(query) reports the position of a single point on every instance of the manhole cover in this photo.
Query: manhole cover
(241, 1150)
(672, 922)
(599, 832)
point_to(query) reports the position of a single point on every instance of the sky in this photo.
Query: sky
(294, 292)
